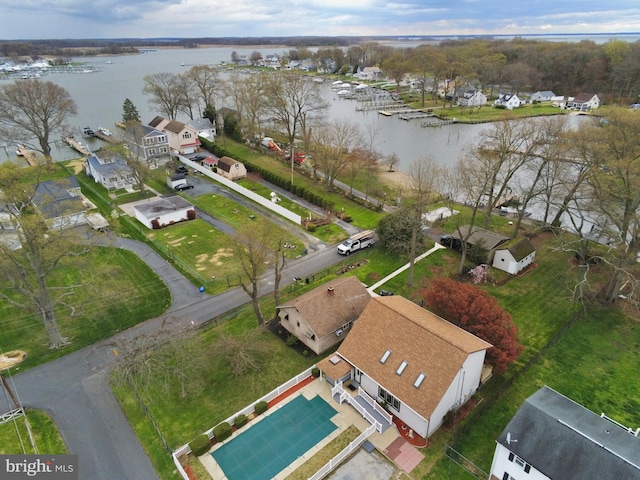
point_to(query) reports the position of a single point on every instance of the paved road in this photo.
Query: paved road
(75, 389)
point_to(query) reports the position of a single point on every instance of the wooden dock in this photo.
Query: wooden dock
(413, 115)
(76, 145)
(437, 122)
(29, 155)
(106, 138)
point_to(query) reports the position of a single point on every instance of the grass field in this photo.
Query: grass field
(14, 436)
(126, 293)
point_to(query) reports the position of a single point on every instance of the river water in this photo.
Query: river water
(99, 97)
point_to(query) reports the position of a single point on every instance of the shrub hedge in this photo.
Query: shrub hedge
(261, 407)
(222, 431)
(200, 445)
(240, 421)
(271, 177)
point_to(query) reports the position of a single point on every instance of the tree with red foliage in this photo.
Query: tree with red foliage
(474, 310)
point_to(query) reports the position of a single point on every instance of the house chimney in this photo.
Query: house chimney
(330, 291)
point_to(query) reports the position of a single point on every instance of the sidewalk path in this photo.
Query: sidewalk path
(435, 248)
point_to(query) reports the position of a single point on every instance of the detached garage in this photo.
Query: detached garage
(164, 211)
(515, 257)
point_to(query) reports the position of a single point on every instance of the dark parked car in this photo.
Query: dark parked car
(184, 186)
(182, 169)
(451, 242)
(198, 158)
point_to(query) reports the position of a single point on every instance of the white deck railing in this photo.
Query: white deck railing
(344, 395)
(376, 406)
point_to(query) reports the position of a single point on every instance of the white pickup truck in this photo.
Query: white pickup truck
(357, 242)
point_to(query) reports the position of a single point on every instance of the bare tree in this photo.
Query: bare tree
(550, 149)
(27, 264)
(464, 183)
(162, 358)
(166, 91)
(502, 151)
(208, 85)
(258, 246)
(616, 195)
(33, 110)
(422, 179)
(291, 99)
(391, 161)
(334, 141)
(241, 352)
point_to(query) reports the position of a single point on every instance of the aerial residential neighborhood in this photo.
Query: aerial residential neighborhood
(441, 284)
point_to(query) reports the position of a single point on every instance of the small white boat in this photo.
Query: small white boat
(337, 82)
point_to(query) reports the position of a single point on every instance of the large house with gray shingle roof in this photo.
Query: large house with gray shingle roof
(417, 364)
(551, 437)
(323, 316)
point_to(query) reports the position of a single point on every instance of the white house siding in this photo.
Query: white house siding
(503, 260)
(417, 423)
(163, 219)
(463, 386)
(502, 464)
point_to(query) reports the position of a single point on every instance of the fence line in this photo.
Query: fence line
(344, 453)
(186, 449)
(459, 459)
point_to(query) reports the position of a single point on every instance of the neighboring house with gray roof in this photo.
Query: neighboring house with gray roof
(415, 362)
(204, 127)
(488, 240)
(551, 437)
(60, 202)
(545, 96)
(112, 171)
(322, 317)
(508, 101)
(584, 102)
(514, 256)
(149, 145)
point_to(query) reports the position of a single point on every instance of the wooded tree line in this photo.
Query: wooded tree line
(612, 69)
(583, 181)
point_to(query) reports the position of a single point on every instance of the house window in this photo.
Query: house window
(286, 317)
(148, 141)
(520, 462)
(388, 398)
(162, 139)
(298, 323)
(152, 151)
(506, 476)
(163, 149)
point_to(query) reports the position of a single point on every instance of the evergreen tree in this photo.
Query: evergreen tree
(129, 112)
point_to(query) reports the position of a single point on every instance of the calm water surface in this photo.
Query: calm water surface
(99, 97)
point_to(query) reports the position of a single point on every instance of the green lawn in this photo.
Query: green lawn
(125, 293)
(202, 250)
(14, 435)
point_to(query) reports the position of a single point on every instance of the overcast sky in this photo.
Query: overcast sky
(43, 19)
